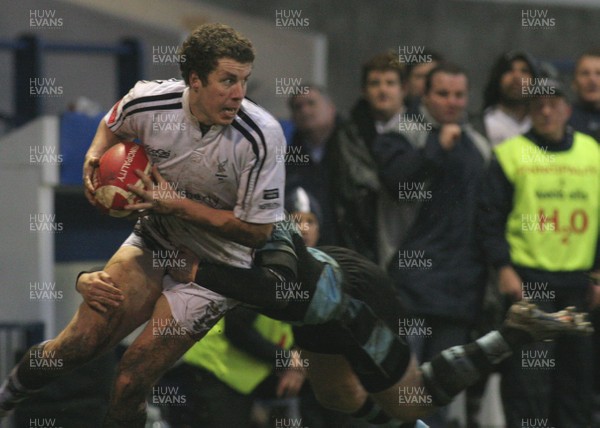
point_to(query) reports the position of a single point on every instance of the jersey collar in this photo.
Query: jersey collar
(185, 103)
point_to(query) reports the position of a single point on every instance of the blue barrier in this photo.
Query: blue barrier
(28, 53)
(76, 133)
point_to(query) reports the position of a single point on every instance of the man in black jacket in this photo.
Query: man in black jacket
(434, 166)
(354, 176)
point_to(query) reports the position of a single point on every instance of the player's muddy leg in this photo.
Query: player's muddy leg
(334, 383)
(156, 349)
(337, 387)
(89, 333)
(408, 399)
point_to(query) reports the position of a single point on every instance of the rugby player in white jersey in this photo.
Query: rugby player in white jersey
(217, 165)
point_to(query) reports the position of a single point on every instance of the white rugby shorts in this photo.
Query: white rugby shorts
(195, 308)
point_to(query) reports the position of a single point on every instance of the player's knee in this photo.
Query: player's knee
(125, 383)
(133, 378)
(129, 386)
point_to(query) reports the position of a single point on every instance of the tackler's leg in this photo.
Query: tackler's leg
(461, 366)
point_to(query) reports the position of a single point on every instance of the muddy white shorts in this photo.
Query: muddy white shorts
(195, 308)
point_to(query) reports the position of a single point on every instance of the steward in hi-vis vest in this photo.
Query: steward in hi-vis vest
(234, 366)
(553, 224)
(538, 225)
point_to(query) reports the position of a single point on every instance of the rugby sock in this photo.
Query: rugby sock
(458, 367)
(371, 413)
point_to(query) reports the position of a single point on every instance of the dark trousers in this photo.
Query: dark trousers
(444, 333)
(209, 402)
(550, 383)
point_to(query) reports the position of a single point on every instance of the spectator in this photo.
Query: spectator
(307, 161)
(416, 73)
(506, 102)
(539, 227)
(586, 118)
(306, 212)
(586, 83)
(505, 115)
(355, 182)
(437, 164)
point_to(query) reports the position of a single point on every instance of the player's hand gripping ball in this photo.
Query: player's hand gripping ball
(117, 170)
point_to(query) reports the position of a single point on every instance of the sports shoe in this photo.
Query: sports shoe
(542, 325)
(10, 397)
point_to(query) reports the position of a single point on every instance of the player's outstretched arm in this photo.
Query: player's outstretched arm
(222, 222)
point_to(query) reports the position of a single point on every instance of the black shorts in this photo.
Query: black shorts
(367, 333)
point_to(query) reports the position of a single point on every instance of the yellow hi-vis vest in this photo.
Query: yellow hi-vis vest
(234, 367)
(553, 225)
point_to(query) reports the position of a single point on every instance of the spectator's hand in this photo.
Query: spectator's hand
(160, 196)
(89, 177)
(290, 382)
(509, 283)
(99, 291)
(449, 136)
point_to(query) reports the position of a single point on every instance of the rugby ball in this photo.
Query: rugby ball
(117, 170)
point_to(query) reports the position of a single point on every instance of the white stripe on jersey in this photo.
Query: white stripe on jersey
(231, 167)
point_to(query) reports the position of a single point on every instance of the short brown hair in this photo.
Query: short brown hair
(387, 61)
(593, 52)
(207, 44)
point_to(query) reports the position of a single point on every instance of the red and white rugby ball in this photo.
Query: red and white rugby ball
(116, 171)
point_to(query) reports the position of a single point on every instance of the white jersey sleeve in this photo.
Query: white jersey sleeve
(116, 120)
(261, 191)
(122, 119)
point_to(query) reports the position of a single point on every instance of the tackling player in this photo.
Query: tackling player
(358, 362)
